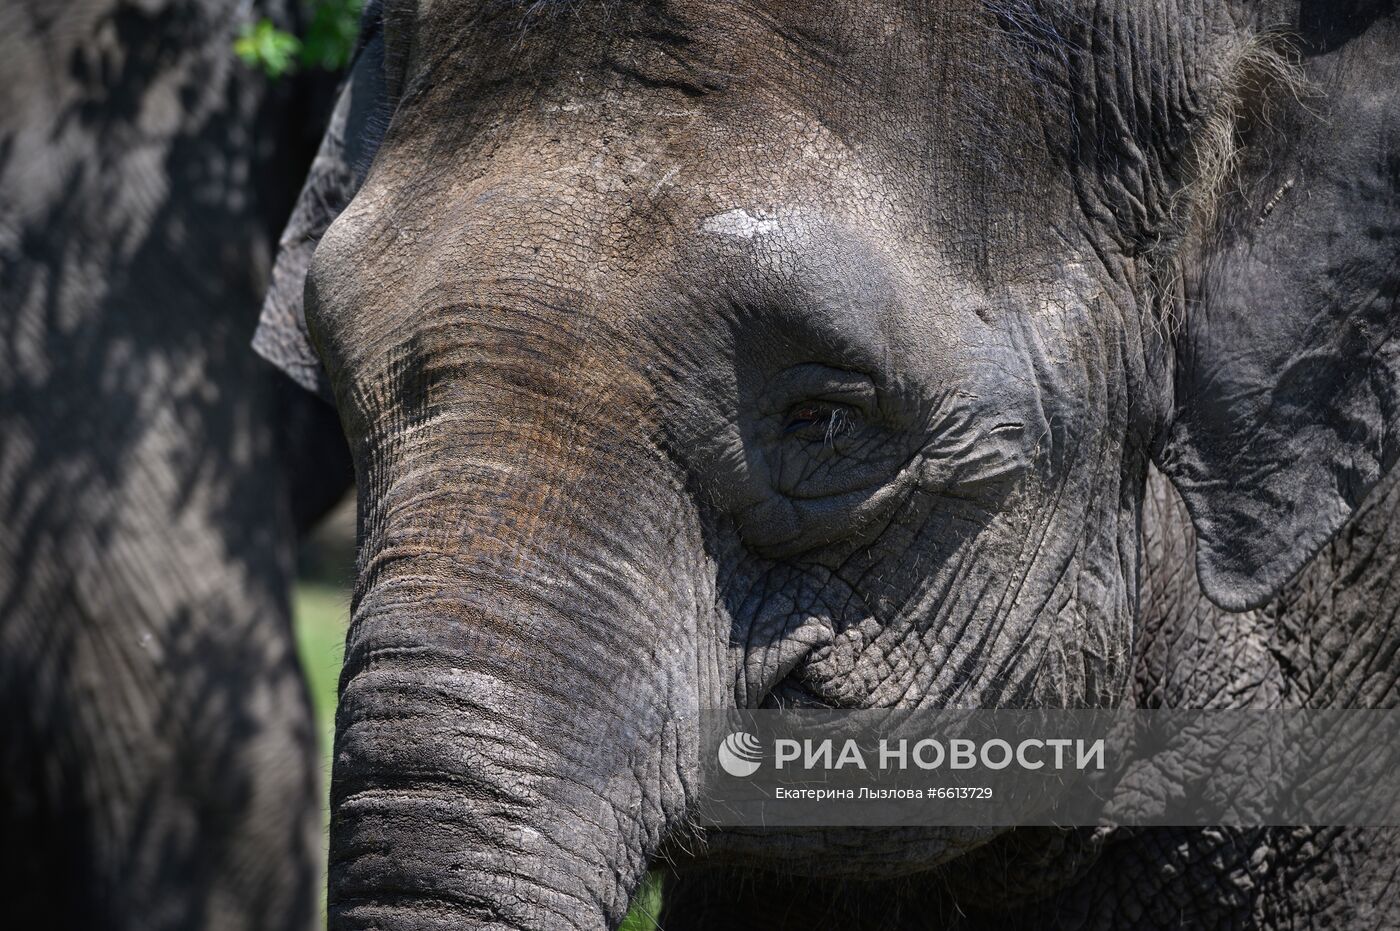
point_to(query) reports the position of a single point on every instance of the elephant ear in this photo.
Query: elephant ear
(1288, 365)
(352, 136)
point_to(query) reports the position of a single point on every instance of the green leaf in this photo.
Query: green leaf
(330, 37)
(263, 45)
(331, 31)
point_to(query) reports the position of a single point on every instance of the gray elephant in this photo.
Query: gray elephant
(158, 761)
(703, 355)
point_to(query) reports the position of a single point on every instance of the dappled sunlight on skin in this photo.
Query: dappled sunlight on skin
(159, 756)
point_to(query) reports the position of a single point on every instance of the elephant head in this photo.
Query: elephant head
(698, 354)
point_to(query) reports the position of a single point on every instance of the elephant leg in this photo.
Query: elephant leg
(159, 756)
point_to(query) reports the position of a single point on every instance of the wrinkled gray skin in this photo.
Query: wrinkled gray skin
(158, 766)
(699, 354)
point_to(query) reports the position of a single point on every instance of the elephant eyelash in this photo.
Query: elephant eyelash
(817, 420)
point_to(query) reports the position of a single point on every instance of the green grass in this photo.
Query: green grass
(645, 907)
(320, 612)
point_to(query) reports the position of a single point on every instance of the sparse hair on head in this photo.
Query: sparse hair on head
(1262, 73)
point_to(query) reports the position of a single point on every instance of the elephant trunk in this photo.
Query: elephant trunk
(507, 751)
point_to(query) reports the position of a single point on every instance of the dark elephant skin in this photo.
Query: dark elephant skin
(158, 757)
(1328, 640)
(704, 354)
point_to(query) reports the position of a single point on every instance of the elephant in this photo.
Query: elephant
(698, 355)
(159, 757)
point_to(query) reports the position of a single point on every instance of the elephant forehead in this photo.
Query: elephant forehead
(699, 32)
(555, 206)
(940, 88)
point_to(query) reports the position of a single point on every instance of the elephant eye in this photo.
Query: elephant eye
(819, 421)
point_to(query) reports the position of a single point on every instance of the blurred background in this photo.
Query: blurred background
(321, 608)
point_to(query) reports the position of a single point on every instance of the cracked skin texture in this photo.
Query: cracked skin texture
(702, 354)
(1326, 641)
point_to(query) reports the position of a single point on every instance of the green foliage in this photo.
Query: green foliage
(328, 42)
(330, 39)
(646, 907)
(263, 45)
